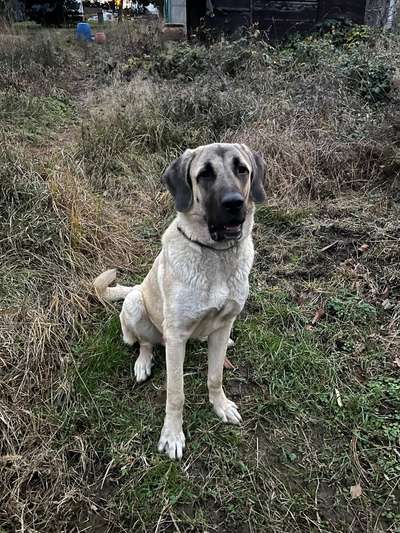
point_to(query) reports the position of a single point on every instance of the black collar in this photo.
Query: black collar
(203, 245)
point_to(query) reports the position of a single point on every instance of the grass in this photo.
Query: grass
(86, 134)
(32, 117)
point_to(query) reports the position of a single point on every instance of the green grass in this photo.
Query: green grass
(32, 118)
(320, 404)
(295, 439)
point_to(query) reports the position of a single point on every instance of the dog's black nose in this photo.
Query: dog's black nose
(232, 201)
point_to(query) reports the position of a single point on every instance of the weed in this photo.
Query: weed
(345, 33)
(352, 308)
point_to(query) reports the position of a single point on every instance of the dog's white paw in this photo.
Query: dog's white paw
(142, 368)
(227, 411)
(172, 443)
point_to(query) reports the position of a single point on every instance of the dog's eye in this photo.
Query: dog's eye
(242, 170)
(206, 175)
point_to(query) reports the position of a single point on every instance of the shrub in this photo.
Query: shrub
(370, 76)
(344, 32)
(182, 61)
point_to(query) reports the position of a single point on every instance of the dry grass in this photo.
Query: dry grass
(79, 192)
(55, 232)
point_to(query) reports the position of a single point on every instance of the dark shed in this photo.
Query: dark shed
(278, 18)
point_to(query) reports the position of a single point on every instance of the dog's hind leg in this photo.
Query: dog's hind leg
(144, 362)
(127, 334)
(136, 326)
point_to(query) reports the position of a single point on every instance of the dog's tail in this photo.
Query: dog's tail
(105, 292)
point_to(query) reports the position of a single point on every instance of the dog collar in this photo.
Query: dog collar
(203, 245)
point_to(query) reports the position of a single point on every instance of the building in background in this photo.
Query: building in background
(278, 18)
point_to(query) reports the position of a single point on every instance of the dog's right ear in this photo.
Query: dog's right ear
(177, 179)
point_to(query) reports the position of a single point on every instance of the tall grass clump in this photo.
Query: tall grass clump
(31, 60)
(322, 111)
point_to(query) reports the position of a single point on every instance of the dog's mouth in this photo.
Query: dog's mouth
(226, 232)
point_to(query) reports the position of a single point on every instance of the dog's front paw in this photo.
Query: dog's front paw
(142, 368)
(172, 442)
(227, 411)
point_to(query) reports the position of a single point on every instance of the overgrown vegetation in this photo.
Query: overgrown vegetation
(86, 133)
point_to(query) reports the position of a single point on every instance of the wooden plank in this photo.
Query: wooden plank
(229, 22)
(291, 5)
(351, 9)
(282, 17)
(231, 5)
(293, 11)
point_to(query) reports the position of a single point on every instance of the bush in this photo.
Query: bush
(302, 105)
(183, 62)
(344, 33)
(137, 139)
(369, 76)
(186, 62)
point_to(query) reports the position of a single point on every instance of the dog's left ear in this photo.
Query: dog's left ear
(177, 179)
(257, 191)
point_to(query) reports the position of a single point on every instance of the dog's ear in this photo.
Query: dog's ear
(257, 191)
(177, 179)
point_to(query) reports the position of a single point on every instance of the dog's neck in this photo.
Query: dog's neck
(193, 228)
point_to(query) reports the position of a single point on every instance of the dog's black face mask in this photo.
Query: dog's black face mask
(227, 189)
(229, 177)
(224, 201)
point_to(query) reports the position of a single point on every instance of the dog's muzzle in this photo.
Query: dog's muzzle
(232, 216)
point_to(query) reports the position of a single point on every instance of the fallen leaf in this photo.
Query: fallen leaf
(338, 398)
(387, 305)
(385, 292)
(355, 491)
(301, 298)
(228, 364)
(397, 361)
(363, 248)
(318, 315)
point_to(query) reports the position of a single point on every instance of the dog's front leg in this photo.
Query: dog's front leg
(217, 345)
(172, 439)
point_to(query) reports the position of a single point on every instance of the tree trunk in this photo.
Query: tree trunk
(381, 13)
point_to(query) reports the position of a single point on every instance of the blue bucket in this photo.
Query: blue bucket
(83, 31)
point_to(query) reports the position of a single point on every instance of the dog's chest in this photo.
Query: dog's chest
(224, 285)
(216, 281)
(203, 289)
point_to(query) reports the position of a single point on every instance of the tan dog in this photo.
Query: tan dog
(198, 284)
